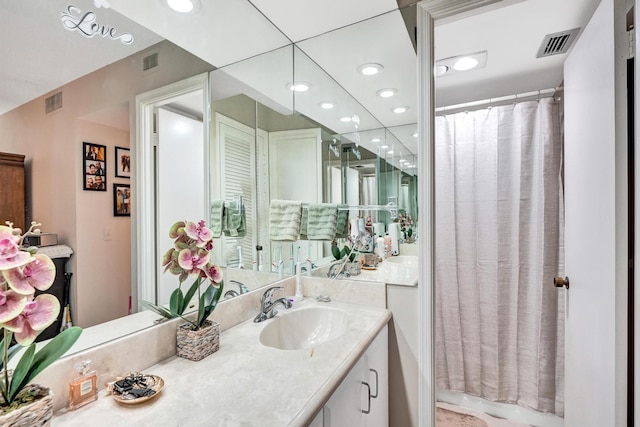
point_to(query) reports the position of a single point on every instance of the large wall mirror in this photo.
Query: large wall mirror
(339, 141)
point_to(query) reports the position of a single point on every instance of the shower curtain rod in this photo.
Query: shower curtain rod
(502, 100)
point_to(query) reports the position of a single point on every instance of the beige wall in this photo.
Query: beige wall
(52, 145)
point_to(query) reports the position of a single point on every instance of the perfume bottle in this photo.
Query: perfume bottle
(83, 389)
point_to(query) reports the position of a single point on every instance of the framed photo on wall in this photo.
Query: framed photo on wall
(121, 200)
(123, 162)
(94, 164)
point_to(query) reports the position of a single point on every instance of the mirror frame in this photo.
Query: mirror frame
(143, 236)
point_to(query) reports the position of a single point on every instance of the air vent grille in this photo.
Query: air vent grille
(557, 43)
(149, 62)
(52, 103)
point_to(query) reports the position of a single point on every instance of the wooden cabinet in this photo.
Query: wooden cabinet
(12, 195)
(362, 399)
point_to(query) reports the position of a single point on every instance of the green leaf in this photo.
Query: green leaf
(176, 302)
(51, 352)
(210, 301)
(190, 293)
(335, 251)
(12, 351)
(157, 309)
(21, 371)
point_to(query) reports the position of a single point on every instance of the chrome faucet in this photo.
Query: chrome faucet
(268, 307)
(332, 271)
(232, 293)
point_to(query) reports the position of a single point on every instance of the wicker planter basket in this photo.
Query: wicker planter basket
(353, 268)
(196, 345)
(35, 414)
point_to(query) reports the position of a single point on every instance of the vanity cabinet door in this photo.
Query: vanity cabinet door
(377, 374)
(363, 397)
(346, 405)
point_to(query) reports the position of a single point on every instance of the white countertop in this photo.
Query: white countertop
(399, 270)
(244, 383)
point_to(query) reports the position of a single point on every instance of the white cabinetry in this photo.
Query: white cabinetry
(363, 396)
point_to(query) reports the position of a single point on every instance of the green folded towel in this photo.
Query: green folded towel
(217, 213)
(342, 227)
(235, 219)
(322, 221)
(284, 220)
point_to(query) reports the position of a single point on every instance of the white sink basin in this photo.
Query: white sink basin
(304, 328)
(410, 260)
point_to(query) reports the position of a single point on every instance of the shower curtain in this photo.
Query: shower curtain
(499, 228)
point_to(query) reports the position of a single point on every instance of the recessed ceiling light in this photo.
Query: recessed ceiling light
(390, 152)
(384, 146)
(345, 119)
(465, 63)
(299, 86)
(370, 69)
(441, 70)
(386, 93)
(182, 6)
(415, 135)
(400, 110)
(402, 160)
(455, 64)
(326, 105)
(375, 139)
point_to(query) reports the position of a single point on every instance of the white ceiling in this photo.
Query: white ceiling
(335, 35)
(40, 55)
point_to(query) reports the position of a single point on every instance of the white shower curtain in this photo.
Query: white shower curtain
(499, 228)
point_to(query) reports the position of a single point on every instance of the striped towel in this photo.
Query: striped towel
(217, 210)
(284, 220)
(322, 222)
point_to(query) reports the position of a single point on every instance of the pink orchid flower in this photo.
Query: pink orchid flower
(10, 254)
(176, 229)
(193, 261)
(214, 273)
(36, 316)
(38, 274)
(198, 232)
(11, 305)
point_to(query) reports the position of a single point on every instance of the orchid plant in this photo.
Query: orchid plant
(190, 257)
(406, 226)
(23, 316)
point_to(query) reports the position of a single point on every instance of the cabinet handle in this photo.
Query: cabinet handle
(368, 398)
(375, 372)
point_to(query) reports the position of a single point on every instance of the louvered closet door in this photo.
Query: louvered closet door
(237, 178)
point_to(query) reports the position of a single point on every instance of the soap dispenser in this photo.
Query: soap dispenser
(83, 389)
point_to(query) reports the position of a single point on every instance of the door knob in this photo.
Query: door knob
(561, 281)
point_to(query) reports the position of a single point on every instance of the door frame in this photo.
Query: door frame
(143, 220)
(428, 13)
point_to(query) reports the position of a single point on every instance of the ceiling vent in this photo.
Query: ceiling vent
(52, 103)
(150, 61)
(557, 43)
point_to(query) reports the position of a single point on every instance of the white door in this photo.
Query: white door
(595, 237)
(180, 185)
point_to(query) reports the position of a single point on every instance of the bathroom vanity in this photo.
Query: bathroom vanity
(267, 374)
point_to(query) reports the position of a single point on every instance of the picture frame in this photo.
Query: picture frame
(121, 200)
(94, 165)
(123, 162)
